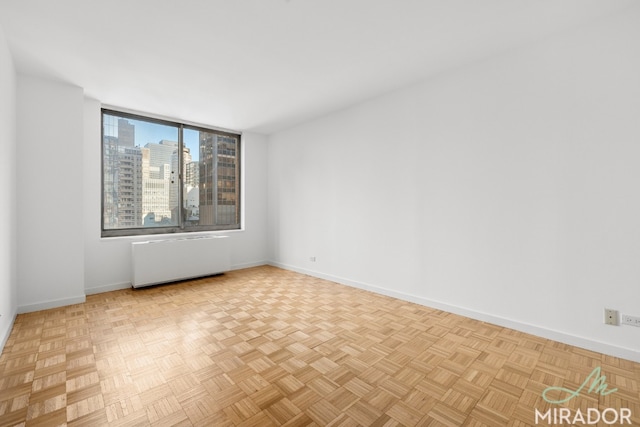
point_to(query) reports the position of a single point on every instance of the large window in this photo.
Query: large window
(165, 177)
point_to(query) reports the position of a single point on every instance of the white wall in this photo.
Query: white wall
(8, 281)
(507, 191)
(107, 261)
(59, 174)
(50, 253)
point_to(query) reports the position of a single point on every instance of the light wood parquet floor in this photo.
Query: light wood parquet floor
(269, 347)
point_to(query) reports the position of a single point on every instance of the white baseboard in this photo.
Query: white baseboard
(248, 265)
(577, 341)
(7, 332)
(107, 288)
(46, 305)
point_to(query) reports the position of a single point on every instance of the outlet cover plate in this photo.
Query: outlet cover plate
(610, 317)
(630, 320)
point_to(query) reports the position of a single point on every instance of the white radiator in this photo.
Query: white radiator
(162, 261)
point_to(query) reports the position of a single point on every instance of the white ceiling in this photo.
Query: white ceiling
(265, 65)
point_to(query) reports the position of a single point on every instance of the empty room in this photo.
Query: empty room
(320, 213)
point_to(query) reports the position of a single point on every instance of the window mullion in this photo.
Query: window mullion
(214, 181)
(180, 177)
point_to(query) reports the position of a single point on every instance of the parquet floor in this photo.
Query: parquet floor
(264, 346)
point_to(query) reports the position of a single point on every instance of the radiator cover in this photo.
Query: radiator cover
(163, 261)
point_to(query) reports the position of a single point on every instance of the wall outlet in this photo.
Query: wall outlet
(630, 320)
(312, 259)
(610, 317)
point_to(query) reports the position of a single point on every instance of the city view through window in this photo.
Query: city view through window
(145, 190)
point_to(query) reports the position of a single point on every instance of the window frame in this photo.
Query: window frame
(180, 227)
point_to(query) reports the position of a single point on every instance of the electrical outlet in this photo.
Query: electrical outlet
(610, 317)
(312, 259)
(630, 320)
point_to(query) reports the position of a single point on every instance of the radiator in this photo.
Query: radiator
(170, 260)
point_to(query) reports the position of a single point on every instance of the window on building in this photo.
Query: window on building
(165, 177)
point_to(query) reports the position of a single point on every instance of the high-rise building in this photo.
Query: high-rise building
(192, 193)
(156, 190)
(126, 133)
(192, 176)
(160, 153)
(174, 202)
(110, 181)
(228, 181)
(122, 180)
(159, 183)
(130, 187)
(218, 158)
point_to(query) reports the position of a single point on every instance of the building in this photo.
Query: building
(218, 157)
(122, 174)
(159, 185)
(174, 195)
(160, 154)
(126, 133)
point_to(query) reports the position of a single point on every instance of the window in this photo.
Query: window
(165, 177)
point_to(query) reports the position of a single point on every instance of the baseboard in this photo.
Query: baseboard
(107, 288)
(46, 305)
(248, 265)
(7, 333)
(577, 341)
